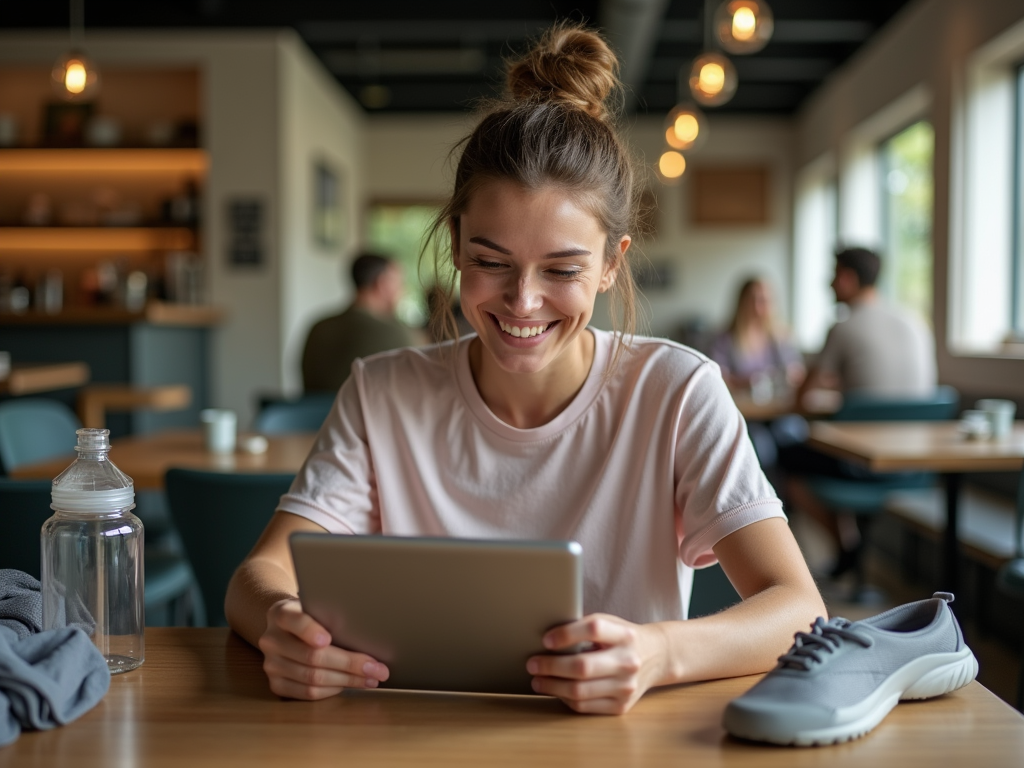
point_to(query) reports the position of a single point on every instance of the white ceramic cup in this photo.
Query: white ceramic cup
(1000, 415)
(220, 429)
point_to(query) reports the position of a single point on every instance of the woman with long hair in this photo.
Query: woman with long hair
(539, 427)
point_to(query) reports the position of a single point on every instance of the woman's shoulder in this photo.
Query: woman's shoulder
(414, 367)
(652, 353)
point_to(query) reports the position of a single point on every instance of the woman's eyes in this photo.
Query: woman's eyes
(562, 273)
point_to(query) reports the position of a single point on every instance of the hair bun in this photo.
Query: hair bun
(569, 63)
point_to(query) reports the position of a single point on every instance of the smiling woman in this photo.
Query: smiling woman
(539, 427)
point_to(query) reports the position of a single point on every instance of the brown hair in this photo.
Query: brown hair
(553, 128)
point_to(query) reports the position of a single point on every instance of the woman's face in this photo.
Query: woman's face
(760, 302)
(532, 263)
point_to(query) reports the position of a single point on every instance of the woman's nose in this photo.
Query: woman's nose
(524, 295)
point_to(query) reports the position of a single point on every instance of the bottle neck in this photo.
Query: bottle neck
(109, 514)
(92, 455)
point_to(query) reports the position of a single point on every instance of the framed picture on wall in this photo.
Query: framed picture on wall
(328, 207)
(723, 196)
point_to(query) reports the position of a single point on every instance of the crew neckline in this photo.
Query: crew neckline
(580, 403)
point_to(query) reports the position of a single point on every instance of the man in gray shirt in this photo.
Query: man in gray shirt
(879, 349)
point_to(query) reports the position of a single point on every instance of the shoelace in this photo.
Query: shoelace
(819, 644)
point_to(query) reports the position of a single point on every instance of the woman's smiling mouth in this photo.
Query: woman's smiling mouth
(523, 331)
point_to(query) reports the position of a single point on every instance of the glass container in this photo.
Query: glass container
(92, 548)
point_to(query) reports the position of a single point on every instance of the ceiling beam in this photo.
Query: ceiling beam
(632, 29)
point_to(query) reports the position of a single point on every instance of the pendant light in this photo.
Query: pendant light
(74, 77)
(743, 26)
(712, 79)
(671, 166)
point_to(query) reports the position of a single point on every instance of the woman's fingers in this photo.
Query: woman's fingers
(598, 628)
(301, 663)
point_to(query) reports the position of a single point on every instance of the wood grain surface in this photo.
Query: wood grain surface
(201, 699)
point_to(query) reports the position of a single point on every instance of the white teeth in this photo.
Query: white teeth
(519, 332)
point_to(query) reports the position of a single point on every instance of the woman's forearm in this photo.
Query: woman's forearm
(256, 585)
(745, 639)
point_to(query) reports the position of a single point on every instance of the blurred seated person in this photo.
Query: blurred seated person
(752, 349)
(878, 349)
(366, 327)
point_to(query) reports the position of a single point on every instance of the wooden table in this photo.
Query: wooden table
(201, 699)
(32, 378)
(816, 404)
(900, 446)
(146, 458)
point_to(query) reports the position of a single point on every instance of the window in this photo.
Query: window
(906, 176)
(814, 235)
(400, 231)
(1017, 300)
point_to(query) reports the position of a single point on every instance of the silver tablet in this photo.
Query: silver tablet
(443, 614)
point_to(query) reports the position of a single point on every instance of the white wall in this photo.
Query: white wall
(927, 44)
(711, 262)
(318, 121)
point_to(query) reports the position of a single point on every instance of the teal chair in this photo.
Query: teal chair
(25, 506)
(712, 592)
(865, 497)
(303, 415)
(220, 516)
(35, 429)
(1010, 578)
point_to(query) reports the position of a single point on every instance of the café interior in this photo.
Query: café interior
(171, 230)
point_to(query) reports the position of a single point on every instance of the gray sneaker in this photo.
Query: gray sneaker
(840, 679)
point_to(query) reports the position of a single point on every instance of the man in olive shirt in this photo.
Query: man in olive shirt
(368, 326)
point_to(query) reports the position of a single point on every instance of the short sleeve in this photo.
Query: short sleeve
(336, 487)
(720, 486)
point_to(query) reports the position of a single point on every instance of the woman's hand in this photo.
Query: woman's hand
(627, 660)
(301, 663)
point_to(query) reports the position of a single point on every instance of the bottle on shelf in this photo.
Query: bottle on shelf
(92, 550)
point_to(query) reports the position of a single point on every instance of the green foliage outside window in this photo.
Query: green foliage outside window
(907, 218)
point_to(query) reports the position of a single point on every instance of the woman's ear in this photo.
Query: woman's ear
(453, 233)
(611, 271)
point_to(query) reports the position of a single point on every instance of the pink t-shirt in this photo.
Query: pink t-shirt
(647, 469)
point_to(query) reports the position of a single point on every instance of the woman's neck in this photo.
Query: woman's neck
(530, 400)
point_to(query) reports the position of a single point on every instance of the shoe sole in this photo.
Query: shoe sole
(922, 678)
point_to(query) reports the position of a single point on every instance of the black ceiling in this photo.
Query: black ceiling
(402, 56)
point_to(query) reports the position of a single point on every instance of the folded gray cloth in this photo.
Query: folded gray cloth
(21, 602)
(46, 678)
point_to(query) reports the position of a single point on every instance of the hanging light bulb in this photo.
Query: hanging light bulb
(671, 166)
(712, 79)
(685, 127)
(743, 26)
(74, 77)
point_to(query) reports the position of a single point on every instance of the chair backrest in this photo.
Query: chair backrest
(24, 507)
(34, 429)
(303, 415)
(857, 406)
(220, 516)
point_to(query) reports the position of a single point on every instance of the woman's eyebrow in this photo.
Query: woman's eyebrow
(488, 244)
(555, 255)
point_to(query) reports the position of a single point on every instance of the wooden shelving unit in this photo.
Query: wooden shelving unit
(154, 313)
(89, 239)
(187, 161)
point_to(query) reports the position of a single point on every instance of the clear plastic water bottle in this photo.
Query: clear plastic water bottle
(92, 555)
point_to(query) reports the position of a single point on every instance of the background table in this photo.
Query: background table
(201, 699)
(146, 458)
(930, 446)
